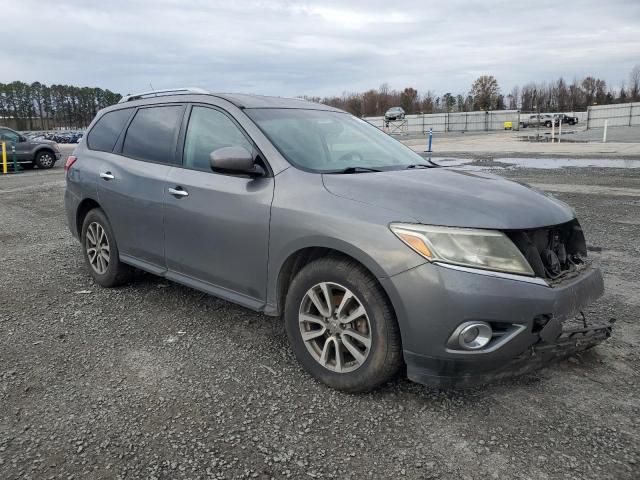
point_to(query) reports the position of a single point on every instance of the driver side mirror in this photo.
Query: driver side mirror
(22, 139)
(235, 160)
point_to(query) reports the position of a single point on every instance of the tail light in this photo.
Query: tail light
(70, 161)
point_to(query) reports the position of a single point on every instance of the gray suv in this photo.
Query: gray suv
(377, 258)
(29, 151)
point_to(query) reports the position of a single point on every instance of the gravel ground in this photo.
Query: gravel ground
(154, 380)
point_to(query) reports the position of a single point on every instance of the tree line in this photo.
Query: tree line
(485, 94)
(37, 106)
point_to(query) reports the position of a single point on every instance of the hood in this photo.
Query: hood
(457, 198)
(43, 141)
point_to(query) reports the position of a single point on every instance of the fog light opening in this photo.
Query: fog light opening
(475, 335)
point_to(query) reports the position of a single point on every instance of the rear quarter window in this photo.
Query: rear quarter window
(105, 132)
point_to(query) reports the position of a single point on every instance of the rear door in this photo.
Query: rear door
(131, 183)
(217, 229)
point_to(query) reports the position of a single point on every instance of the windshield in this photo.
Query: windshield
(324, 141)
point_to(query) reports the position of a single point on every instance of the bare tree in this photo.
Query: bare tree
(370, 103)
(513, 98)
(408, 99)
(634, 84)
(562, 95)
(448, 102)
(485, 91)
(428, 102)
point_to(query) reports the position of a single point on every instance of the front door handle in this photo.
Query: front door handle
(178, 192)
(107, 176)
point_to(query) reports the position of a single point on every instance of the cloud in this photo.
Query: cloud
(315, 47)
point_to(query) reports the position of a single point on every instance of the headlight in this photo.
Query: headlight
(469, 247)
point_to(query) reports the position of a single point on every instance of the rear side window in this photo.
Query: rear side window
(105, 133)
(152, 134)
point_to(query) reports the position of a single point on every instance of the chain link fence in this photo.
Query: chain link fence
(620, 115)
(459, 121)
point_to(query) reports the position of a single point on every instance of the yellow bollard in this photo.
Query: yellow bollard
(4, 158)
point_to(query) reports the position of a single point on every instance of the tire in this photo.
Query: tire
(109, 272)
(547, 124)
(379, 362)
(45, 159)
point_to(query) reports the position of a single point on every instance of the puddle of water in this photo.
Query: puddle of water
(548, 139)
(541, 163)
(570, 162)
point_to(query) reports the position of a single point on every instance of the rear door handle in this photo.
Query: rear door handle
(178, 192)
(107, 175)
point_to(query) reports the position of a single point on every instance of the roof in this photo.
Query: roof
(240, 100)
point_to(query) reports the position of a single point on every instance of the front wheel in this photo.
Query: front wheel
(45, 159)
(341, 325)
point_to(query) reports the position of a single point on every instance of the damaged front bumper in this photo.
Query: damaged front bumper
(431, 301)
(571, 341)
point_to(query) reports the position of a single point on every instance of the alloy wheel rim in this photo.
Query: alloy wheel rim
(97, 246)
(46, 160)
(335, 327)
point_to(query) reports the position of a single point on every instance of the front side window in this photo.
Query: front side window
(105, 133)
(151, 136)
(208, 130)
(9, 136)
(326, 141)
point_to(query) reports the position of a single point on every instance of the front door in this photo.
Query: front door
(13, 141)
(217, 227)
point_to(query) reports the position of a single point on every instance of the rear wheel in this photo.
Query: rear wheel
(341, 325)
(45, 159)
(101, 251)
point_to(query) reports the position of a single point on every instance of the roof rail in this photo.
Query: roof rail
(159, 93)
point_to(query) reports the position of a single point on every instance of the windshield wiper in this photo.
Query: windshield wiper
(421, 165)
(356, 170)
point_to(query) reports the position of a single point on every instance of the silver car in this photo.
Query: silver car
(376, 257)
(29, 152)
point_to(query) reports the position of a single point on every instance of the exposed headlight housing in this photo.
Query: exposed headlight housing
(468, 247)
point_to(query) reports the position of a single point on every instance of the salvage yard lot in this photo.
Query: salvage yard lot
(154, 380)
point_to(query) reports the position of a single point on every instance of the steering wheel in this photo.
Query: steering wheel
(351, 156)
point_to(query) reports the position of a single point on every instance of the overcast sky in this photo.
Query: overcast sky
(315, 47)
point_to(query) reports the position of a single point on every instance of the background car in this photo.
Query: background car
(564, 118)
(394, 113)
(539, 120)
(30, 151)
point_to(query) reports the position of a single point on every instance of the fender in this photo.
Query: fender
(277, 263)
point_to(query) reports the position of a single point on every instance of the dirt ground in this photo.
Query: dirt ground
(154, 380)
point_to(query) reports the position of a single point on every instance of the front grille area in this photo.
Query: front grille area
(555, 252)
